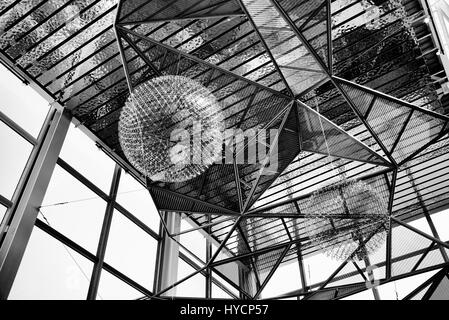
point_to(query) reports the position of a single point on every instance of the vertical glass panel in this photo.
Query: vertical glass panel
(194, 287)
(136, 199)
(51, 270)
(286, 274)
(194, 240)
(422, 225)
(398, 290)
(131, 250)
(319, 267)
(441, 222)
(21, 103)
(226, 284)
(73, 209)
(112, 288)
(15, 153)
(82, 154)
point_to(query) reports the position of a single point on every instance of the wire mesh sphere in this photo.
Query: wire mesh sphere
(170, 128)
(347, 219)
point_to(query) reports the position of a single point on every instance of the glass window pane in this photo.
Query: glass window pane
(80, 152)
(318, 267)
(288, 274)
(50, 270)
(21, 103)
(194, 287)
(229, 270)
(218, 293)
(191, 257)
(73, 209)
(441, 222)
(16, 152)
(401, 288)
(131, 250)
(194, 240)
(112, 288)
(226, 284)
(137, 200)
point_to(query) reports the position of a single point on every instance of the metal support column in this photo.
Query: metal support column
(169, 253)
(370, 273)
(101, 249)
(248, 278)
(24, 216)
(208, 257)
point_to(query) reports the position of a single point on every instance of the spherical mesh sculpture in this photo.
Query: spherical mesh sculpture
(170, 128)
(339, 237)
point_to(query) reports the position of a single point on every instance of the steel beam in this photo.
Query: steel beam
(444, 132)
(272, 271)
(423, 256)
(32, 195)
(298, 293)
(267, 49)
(371, 276)
(425, 235)
(208, 256)
(438, 276)
(256, 252)
(378, 94)
(243, 241)
(390, 228)
(169, 259)
(274, 148)
(330, 45)
(208, 64)
(25, 174)
(138, 51)
(18, 129)
(104, 235)
(305, 196)
(181, 19)
(7, 203)
(332, 276)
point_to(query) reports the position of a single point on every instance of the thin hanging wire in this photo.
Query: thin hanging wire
(87, 199)
(70, 254)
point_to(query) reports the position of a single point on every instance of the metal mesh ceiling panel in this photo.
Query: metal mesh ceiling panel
(417, 127)
(298, 66)
(321, 136)
(132, 11)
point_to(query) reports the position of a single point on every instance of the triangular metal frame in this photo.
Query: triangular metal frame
(324, 67)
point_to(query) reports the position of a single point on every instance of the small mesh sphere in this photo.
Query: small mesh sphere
(343, 216)
(170, 128)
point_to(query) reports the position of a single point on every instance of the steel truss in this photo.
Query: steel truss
(246, 211)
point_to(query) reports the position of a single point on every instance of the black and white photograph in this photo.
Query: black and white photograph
(219, 159)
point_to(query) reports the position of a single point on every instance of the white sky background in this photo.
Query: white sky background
(49, 270)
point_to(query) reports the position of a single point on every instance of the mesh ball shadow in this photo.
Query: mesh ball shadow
(170, 128)
(364, 230)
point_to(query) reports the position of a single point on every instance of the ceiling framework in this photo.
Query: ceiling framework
(350, 93)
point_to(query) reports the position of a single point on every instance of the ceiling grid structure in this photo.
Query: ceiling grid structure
(350, 74)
